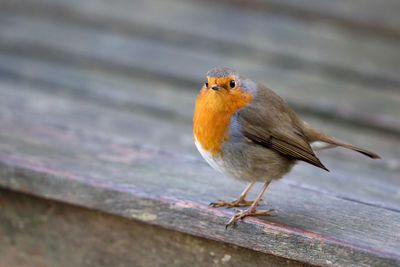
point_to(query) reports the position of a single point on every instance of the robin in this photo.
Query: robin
(247, 132)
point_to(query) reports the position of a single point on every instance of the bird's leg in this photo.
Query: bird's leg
(237, 202)
(252, 209)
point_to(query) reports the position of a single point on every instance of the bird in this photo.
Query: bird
(247, 132)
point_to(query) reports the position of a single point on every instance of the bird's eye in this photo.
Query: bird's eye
(206, 83)
(232, 84)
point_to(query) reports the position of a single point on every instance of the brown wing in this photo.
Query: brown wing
(268, 121)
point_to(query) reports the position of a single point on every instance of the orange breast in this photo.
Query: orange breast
(212, 114)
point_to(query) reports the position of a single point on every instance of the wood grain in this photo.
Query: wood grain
(46, 155)
(376, 18)
(97, 173)
(27, 36)
(96, 100)
(72, 236)
(285, 40)
(128, 111)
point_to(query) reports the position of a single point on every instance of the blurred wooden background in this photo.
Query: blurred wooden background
(96, 99)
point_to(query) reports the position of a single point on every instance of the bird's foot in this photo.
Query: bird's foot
(240, 214)
(235, 203)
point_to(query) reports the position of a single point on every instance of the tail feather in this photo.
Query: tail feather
(365, 152)
(316, 135)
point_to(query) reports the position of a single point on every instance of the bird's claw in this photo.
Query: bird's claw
(235, 203)
(240, 214)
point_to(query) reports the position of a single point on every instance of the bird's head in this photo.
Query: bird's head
(223, 91)
(222, 80)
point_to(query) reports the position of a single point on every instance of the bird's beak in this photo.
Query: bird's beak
(215, 86)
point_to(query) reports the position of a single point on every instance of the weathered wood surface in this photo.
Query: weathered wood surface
(28, 36)
(109, 241)
(95, 110)
(52, 156)
(257, 34)
(376, 17)
(122, 110)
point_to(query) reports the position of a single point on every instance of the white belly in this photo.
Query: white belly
(215, 161)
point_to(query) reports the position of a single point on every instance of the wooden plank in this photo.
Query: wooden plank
(98, 113)
(362, 13)
(376, 17)
(133, 93)
(124, 92)
(27, 36)
(36, 232)
(320, 47)
(157, 98)
(72, 143)
(101, 173)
